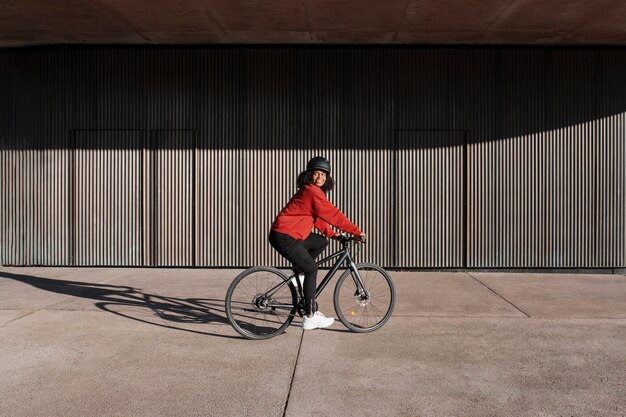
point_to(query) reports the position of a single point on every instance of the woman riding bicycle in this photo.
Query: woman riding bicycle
(291, 233)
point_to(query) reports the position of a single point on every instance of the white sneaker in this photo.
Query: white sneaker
(300, 278)
(318, 321)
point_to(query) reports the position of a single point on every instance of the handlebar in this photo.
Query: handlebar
(348, 239)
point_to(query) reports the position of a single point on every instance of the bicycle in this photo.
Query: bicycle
(261, 302)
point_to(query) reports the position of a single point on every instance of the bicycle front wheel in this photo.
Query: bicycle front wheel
(260, 303)
(365, 311)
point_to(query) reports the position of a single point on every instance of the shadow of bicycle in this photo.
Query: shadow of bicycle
(169, 312)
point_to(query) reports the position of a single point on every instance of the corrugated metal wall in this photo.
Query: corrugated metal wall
(431, 220)
(107, 198)
(446, 157)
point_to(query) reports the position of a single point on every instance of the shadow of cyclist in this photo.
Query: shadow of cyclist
(109, 297)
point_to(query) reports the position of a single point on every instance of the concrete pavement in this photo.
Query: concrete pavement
(146, 342)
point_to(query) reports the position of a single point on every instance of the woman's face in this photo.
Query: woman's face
(319, 178)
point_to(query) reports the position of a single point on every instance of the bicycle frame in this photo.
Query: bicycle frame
(344, 256)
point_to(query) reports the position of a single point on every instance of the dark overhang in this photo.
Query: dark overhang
(441, 22)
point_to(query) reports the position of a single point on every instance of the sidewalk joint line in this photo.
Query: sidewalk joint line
(21, 317)
(293, 374)
(493, 291)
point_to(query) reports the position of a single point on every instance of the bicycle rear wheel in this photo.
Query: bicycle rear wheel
(254, 310)
(369, 311)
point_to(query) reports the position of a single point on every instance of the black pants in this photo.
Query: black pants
(302, 255)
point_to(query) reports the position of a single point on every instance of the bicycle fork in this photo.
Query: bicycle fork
(361, 291)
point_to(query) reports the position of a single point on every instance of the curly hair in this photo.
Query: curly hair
(306, 177)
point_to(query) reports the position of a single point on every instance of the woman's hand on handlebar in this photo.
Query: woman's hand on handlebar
(344, 238)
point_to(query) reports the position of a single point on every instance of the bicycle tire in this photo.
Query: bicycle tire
(242, 308)
(361, 314)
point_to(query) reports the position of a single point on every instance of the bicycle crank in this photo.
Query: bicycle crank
(302, 308)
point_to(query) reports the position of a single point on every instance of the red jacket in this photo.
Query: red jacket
(307, 208)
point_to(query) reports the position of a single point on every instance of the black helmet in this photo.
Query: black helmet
(319, 162)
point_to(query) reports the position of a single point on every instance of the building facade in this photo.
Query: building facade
(446, 157)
